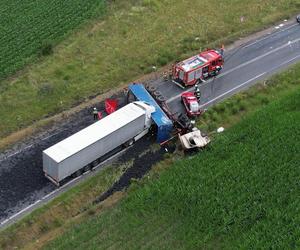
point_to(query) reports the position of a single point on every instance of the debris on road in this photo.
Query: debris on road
(193, 139)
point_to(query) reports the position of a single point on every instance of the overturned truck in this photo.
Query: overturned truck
(83, 150)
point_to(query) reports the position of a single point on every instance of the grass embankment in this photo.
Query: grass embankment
(131, 38)
(31, 232)
(241, 192)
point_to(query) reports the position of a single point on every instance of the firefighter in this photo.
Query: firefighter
(197, 92)
(222, 50)
(95, 113)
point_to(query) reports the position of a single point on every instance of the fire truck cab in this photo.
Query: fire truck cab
(197, 68)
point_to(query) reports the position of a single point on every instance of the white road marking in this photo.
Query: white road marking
(261, 56)
(283, 63)
(27, 147)
(47, 137)
(17, 152)
(179, 85)
(3, 222)
(23, 210)
(53, 192)
(14, 154)
(288, 61)
(233, 89)
(269, 35)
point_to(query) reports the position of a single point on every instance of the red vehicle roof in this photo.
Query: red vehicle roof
(192, 63)
(210, 55)
(199, 60)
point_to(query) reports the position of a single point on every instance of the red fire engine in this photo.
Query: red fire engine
(197, 68)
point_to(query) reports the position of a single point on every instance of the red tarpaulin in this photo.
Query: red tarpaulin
(111, 105)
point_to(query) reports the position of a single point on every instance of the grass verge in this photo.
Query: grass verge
(28, 231)
(242, 192)
(126, 43)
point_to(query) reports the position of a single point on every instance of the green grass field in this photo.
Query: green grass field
(242, 192)
(30, 28)
(124, 44)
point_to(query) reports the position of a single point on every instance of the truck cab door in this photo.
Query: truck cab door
(181, 75)
(205, 72)
(198, 74)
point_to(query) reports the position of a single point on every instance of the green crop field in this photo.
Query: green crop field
(240, 193)
(31, 27)
(125, 43)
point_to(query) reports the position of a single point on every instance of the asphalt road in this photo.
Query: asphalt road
(244, 66)
(22, 184)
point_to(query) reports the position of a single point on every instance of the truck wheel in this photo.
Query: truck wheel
(151, 88)
(87, 168)
(157, 93)
(161, 98)
(77, 173)
(95, 163)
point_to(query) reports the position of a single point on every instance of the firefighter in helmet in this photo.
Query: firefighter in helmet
(197, 92)
(95, 113)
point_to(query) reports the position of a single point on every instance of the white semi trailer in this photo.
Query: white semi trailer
(84, 148)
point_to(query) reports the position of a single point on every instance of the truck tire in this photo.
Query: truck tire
(87, 168)
(77, 173)
(161, 98)
(151, 88)
(94, 163)
(157, 93)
